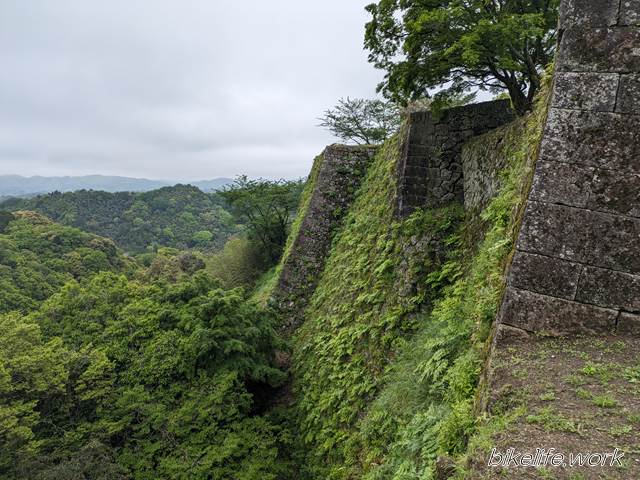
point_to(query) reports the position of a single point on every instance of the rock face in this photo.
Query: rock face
(430, 172)
(340, 174)
(577, 265)
(483, 158)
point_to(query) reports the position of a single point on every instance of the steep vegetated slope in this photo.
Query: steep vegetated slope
(386, 364)
(181, 216)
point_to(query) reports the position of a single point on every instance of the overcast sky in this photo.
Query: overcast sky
(175, 89)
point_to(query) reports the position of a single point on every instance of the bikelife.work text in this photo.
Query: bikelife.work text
(553, 458)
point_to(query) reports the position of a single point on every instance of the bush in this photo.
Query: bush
(240, 263)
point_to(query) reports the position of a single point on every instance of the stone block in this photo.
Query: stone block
(591, 13)
(595, 139)
(629, 94)
(556, 182)
(506, 335)
(610, 191)
(416, 170)
(420, 151)
(615, 192)
(629, 12)
(554, 316)
(414, 187)
(545, 275)
(414, 201)
(582, 236)
(600, 49)
(586, 91)
(608, 288)
(629, 325)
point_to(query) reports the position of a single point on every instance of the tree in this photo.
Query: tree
(362, 121)
(267, 207)
(459, 45)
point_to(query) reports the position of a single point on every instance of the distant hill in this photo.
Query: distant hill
(38, 256)
(16, 185)
(182, 216)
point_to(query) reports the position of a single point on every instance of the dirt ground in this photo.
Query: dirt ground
(573, 395)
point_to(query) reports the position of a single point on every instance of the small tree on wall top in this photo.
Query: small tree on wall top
(462, 44)
(362, 121)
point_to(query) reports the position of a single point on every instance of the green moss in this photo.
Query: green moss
(264, 287)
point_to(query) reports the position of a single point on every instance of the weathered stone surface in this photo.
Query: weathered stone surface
(506, 334)
(556, 182)
(583, 236)
(581, 229)
(630, 12)
(543, 314)
(629, 94)
(430, 171)
(607, 288)
(615, 192)
(545, 275)
(586, 91)
(628, 324)
(609, 191)
(600, 49)
(483, 158)
(591, 13)
(595, 139)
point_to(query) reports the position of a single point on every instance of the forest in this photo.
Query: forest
(151, 367)
(181, 216)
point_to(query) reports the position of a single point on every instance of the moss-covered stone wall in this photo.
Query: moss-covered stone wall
(430, 172)
(331, 188)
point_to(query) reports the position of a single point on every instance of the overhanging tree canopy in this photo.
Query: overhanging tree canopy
(462, 44)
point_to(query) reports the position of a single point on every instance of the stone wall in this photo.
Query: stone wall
(339, 175)
(430, 172)
(577, 263)
(483, 158)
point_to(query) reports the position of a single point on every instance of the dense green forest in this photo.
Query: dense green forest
(155, 367)
(38, 256)
(108, 371)
(180, 217)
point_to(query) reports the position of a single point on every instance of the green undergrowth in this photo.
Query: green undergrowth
(386, 366)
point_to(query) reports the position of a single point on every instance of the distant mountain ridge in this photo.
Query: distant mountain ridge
(17, 185)
(181, 216)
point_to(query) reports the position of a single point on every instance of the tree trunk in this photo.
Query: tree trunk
(522, 103)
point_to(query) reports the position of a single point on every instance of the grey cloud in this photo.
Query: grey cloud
(168, 89)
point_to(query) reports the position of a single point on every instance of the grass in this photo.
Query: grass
(552, 421)
(604, 401)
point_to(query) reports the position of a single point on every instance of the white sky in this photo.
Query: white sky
(171, 89)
